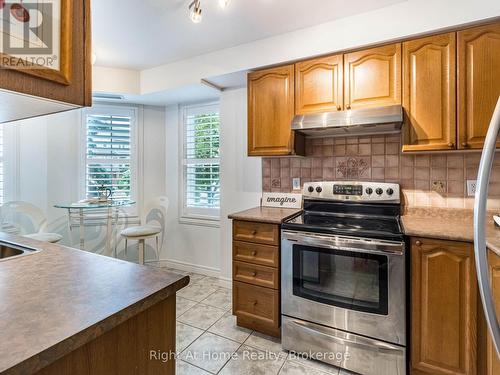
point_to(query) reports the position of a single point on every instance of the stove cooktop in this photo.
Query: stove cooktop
(382, 227)
(356, 209)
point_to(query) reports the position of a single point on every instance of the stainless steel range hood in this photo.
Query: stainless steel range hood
(387, 119)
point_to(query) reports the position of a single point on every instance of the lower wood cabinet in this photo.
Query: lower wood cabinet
(444, 308)
(489, 364)
(257, 308)
(256, 276)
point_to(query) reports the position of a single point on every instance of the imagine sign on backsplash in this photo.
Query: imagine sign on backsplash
(438, 179)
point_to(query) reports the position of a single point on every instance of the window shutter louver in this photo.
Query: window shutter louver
(201, 158)
(108, 155)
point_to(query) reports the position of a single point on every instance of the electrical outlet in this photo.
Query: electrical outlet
(471, 188)
(296, 183)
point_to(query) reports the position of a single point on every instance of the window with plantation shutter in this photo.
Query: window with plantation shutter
(201, 163)
(109, 138)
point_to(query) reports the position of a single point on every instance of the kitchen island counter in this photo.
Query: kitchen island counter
(57, 300)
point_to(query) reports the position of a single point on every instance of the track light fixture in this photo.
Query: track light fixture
(195, 11)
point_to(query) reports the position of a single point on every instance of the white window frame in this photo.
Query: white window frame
(135, 124)
(188, 215)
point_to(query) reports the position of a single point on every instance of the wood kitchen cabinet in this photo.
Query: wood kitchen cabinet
(429, 93)
(372, 77)
(256, 276)
(271, 105)
(489, 364)
(71, 81)
(478, 52)
(319, 85)
(444, 308)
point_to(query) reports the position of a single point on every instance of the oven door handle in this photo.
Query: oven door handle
(360, 342)
(345, 243)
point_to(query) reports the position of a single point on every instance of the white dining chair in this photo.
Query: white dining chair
(29, 220)
(153, 220)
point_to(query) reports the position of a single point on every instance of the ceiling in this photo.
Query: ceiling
(147, 33)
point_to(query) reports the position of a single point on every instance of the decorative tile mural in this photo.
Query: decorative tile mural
(427, 179)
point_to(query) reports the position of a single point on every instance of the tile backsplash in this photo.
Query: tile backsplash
(437, 179)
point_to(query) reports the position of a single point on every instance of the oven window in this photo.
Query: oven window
(355, 281)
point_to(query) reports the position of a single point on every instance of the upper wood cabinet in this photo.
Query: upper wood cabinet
(429, 93)
(444, 308)
(62, 75)
(271, 104)
(478, 82)
(319, 85)
(372, 77)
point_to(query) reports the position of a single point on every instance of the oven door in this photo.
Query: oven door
(352, 284)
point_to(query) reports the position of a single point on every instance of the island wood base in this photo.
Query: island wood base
(126, 348)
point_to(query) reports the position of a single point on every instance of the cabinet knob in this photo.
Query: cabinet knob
(254, 253)
(348, 106)
(254, 303)
(450, 145)
(254, 274)
(254, 232)
(418, 243)
(339, 108)
(464, 144)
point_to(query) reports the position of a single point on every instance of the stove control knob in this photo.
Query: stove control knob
(369, 191)
(310, 189)
(379, 191)
(319, 189)
(390, 191)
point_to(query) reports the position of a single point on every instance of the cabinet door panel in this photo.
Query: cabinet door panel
(478, 82)
(444, 308)
(429, 93)
(270, 111)
(372, 77)
(74, 83)
(318, 85)
(493, 362)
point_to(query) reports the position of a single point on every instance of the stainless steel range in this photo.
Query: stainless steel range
(343, 278)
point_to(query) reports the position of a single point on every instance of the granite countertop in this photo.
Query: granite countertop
(266, 214)
(447, 224)
(54, 301)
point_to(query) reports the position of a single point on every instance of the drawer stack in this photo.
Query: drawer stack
(256, 276)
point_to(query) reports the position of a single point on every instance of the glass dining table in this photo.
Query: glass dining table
(78, 211)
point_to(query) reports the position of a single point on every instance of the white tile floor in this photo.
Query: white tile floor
(209, 342)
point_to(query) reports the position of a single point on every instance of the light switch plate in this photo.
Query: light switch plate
(296, 183)
(471, 188)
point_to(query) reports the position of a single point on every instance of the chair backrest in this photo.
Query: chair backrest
(155, 212)
(27, 217)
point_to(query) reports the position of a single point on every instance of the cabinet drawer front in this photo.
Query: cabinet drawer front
(256, 275)
(256, 303)
(256, 232)
(256, 254)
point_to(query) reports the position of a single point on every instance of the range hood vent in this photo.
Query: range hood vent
(367, 121)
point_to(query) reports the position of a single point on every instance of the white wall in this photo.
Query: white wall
(189, 247)
(241, 176)
(43, 163)
(209, 249)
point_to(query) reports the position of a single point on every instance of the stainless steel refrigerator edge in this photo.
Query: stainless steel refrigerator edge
(481, 200)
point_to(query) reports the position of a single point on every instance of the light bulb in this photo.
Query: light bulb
(224, 3)
(195, 11)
